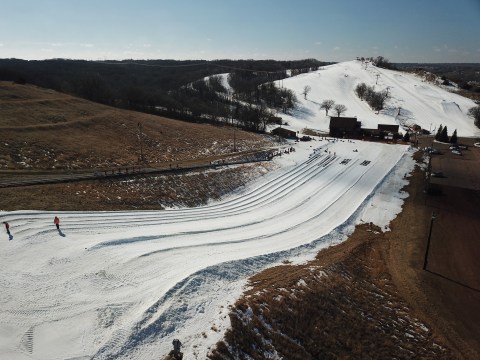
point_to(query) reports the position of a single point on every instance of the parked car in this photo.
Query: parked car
(430, 150)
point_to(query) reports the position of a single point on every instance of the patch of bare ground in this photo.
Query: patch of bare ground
(475, 96)
(365, 298)
(313, 132)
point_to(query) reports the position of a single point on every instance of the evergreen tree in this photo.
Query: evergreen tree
(453, 139)
(439, 132)
(444, 135)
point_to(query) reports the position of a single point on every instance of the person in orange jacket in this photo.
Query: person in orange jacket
(56, 221)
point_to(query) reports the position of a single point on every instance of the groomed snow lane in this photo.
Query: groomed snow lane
(122, 284)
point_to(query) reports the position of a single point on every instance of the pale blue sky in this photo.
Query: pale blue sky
(329, 30)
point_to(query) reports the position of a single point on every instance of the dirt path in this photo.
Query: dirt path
(447, 295)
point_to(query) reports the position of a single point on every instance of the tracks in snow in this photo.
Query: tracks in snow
(155, 260)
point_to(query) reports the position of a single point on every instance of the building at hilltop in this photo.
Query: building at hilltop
(383, 131)
(348, 127)
(285, 133)
(387, 128)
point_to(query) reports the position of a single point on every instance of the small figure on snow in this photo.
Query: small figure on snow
(176, 353)
(7, 227)
(56, 221)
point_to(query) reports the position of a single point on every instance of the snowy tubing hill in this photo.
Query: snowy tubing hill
(123, 285)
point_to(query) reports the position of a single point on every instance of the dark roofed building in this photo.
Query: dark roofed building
(285, 133)
(371, 132)
(388, 128)
(344, 126)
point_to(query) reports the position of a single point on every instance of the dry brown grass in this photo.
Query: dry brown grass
(45, 133)
(347, 307)
(133, 193)
(475, 96)
(43, 129)
(365, 298)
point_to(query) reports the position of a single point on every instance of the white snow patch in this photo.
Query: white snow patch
(301, 282)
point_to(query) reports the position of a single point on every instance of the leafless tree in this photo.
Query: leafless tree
(361, 90)
(327, 105)
(340, 109)
(306, 90)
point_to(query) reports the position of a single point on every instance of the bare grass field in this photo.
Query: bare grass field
(46, 133)
(42, 129)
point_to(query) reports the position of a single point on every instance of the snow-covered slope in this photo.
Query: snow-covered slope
(123, 285)
(118, 285)
(420, 102)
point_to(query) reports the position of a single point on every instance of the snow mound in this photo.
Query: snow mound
(451, 108)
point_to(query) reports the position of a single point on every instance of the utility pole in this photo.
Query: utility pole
(140, 140)
(428, 241)
(376, 82)
(234, 139)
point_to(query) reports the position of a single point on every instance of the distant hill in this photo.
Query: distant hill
(412, 100)
(45, 129)
(161, 87)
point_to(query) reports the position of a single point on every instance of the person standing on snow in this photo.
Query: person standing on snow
(7, 227)
(56, 221)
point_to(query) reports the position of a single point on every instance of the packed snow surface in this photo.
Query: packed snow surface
(411, 100)
(118, 285)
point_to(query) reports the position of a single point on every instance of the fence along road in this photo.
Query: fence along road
(169, 168)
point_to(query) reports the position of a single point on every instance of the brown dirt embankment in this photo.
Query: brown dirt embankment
(369, 297)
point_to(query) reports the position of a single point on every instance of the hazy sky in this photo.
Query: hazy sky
(330, 30)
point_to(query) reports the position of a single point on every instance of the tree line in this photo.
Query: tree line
(442, 135)
(175, 89)
(379, 61)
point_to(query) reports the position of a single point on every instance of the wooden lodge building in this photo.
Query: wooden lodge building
(285, 133)
(350, 127)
